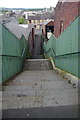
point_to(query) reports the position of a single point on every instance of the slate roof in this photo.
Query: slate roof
(4, 18)
(17, 30)
(45, 16)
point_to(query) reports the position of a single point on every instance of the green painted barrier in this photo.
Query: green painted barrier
(13, 52)
(65, 49)
(0, 53)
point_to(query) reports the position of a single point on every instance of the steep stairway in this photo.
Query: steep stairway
(39, 92)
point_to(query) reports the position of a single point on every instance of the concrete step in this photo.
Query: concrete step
(43, 93)
(40, 86)
(39, 101)
(37, 64)
(37, 56)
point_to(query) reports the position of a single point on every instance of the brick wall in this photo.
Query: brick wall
(64, 12)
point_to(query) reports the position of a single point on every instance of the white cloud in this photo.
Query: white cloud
(28, 3)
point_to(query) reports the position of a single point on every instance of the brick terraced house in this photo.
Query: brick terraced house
(65, 13)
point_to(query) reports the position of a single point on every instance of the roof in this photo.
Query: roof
(47, 21)
(4, 18)
(37, 17)
(44, 16)
(17, 30)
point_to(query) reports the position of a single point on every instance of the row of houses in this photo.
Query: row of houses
(39, 19)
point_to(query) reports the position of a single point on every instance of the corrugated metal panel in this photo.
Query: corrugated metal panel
(0, 69)
(13, 53)
(11, 45)
(68, 40)
(10, 66)
(0, 39)
(0, 53)
(68, 63)
(50, 47)
(67, 52)
(67, 43)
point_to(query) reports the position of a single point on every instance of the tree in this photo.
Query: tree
(21, 20)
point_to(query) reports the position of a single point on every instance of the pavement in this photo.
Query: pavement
(37, 45)
(39, 94)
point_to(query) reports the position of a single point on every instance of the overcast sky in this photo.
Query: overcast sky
(28, 3)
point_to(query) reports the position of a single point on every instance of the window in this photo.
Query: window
(61, 26)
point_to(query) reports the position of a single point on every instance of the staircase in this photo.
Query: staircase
(39, 92)
(37, 64)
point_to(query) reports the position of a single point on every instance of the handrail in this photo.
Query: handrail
(23, 52)
(16, 56)
(54, 52)
(60, 55)
(51, 49)
(68, 54)
(11, 56)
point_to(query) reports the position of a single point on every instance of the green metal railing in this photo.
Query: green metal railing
(65, 49)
